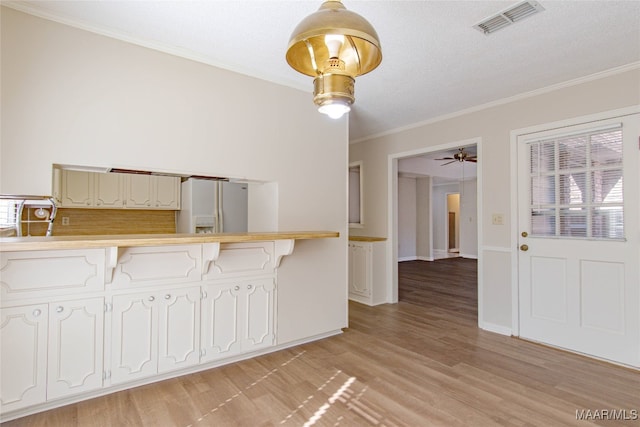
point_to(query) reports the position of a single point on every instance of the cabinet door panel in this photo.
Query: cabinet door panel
(23, 351)
(359, 266)
(77, 189)
(220, 327)
(138, 191)
(166, 192)
(75, 347)
(179, 329)
(108, 190)
(259, 299)
(134, 343)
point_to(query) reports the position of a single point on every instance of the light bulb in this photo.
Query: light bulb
(334, 43)
(334, 110)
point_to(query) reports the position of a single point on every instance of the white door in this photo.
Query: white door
(359, 272)
(179, 328)
(75, 347)
(579, 238)
(258, 323)
(23, 351)
(134, 337)
(108, 190)
(220, 317)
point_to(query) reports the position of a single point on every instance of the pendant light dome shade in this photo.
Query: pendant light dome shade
(334, 45)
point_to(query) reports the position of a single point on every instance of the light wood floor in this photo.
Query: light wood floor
(421, 362)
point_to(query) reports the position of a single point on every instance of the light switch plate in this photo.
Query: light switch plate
(497, 219)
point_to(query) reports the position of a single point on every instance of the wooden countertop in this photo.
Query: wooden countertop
(367, 239)
(13, 244)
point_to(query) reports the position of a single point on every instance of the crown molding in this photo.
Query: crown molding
(521, 96)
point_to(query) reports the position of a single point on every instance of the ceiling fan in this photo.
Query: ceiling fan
(460, 156)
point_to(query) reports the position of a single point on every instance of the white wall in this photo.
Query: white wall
(406, 218)
(74, 97)
(423, 219)
(491, 125)
(468, 219)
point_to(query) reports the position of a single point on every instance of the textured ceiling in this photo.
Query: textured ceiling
(434, 62)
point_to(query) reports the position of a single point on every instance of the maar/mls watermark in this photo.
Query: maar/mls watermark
(607, 414)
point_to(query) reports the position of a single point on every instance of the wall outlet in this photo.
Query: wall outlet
(497, 219)
(65, 220)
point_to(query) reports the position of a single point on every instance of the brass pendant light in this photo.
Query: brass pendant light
(334, 45)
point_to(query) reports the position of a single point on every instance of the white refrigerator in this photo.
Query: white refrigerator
(212, 206)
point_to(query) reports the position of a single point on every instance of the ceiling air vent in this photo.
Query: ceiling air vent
(508, 16)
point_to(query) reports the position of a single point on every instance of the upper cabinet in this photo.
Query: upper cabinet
(166, 192)
(80, 189)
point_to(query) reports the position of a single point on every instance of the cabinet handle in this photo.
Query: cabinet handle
(88, 202)
(152, 298)
(167, 296)
(236, 288)
(36, 312)
(148, 204)
(59, 309)
(249, 286)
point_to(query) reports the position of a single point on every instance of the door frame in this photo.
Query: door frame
(392, 214)
(514, 135)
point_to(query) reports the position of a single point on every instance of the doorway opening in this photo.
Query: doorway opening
(420, 186)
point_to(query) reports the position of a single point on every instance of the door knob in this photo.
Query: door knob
(524, 234)
(524, 248)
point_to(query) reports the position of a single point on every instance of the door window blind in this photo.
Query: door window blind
(576, 185)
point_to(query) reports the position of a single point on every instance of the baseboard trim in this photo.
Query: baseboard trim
(407, 258)
(492, 327)
(425, 258)
(469, 256)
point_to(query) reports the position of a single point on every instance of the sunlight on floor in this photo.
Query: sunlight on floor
(340, 399)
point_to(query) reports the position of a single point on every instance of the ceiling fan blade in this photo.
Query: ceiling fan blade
(446, 158)
(452, 161)
(472, 160)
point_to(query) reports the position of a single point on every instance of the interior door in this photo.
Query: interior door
(579, 240)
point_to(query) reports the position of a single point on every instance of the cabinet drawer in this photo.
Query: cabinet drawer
(50, 273)
(242, 259)
(139, 266)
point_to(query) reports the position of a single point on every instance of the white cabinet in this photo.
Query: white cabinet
(151, 192)
(237, 318)
(137, 191)
(23, 334)
(367, 272)
(360, 269)
(50, 351)
(76, 189)
(76, 330)
(108, 188)
(179, 329)
(80, 189)
(154, 331)
(76, 323)
(166, 192)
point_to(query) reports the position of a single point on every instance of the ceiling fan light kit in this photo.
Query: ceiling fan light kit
(460, 156)
(334, 45)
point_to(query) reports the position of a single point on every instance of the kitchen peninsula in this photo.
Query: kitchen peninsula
(84, 316)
